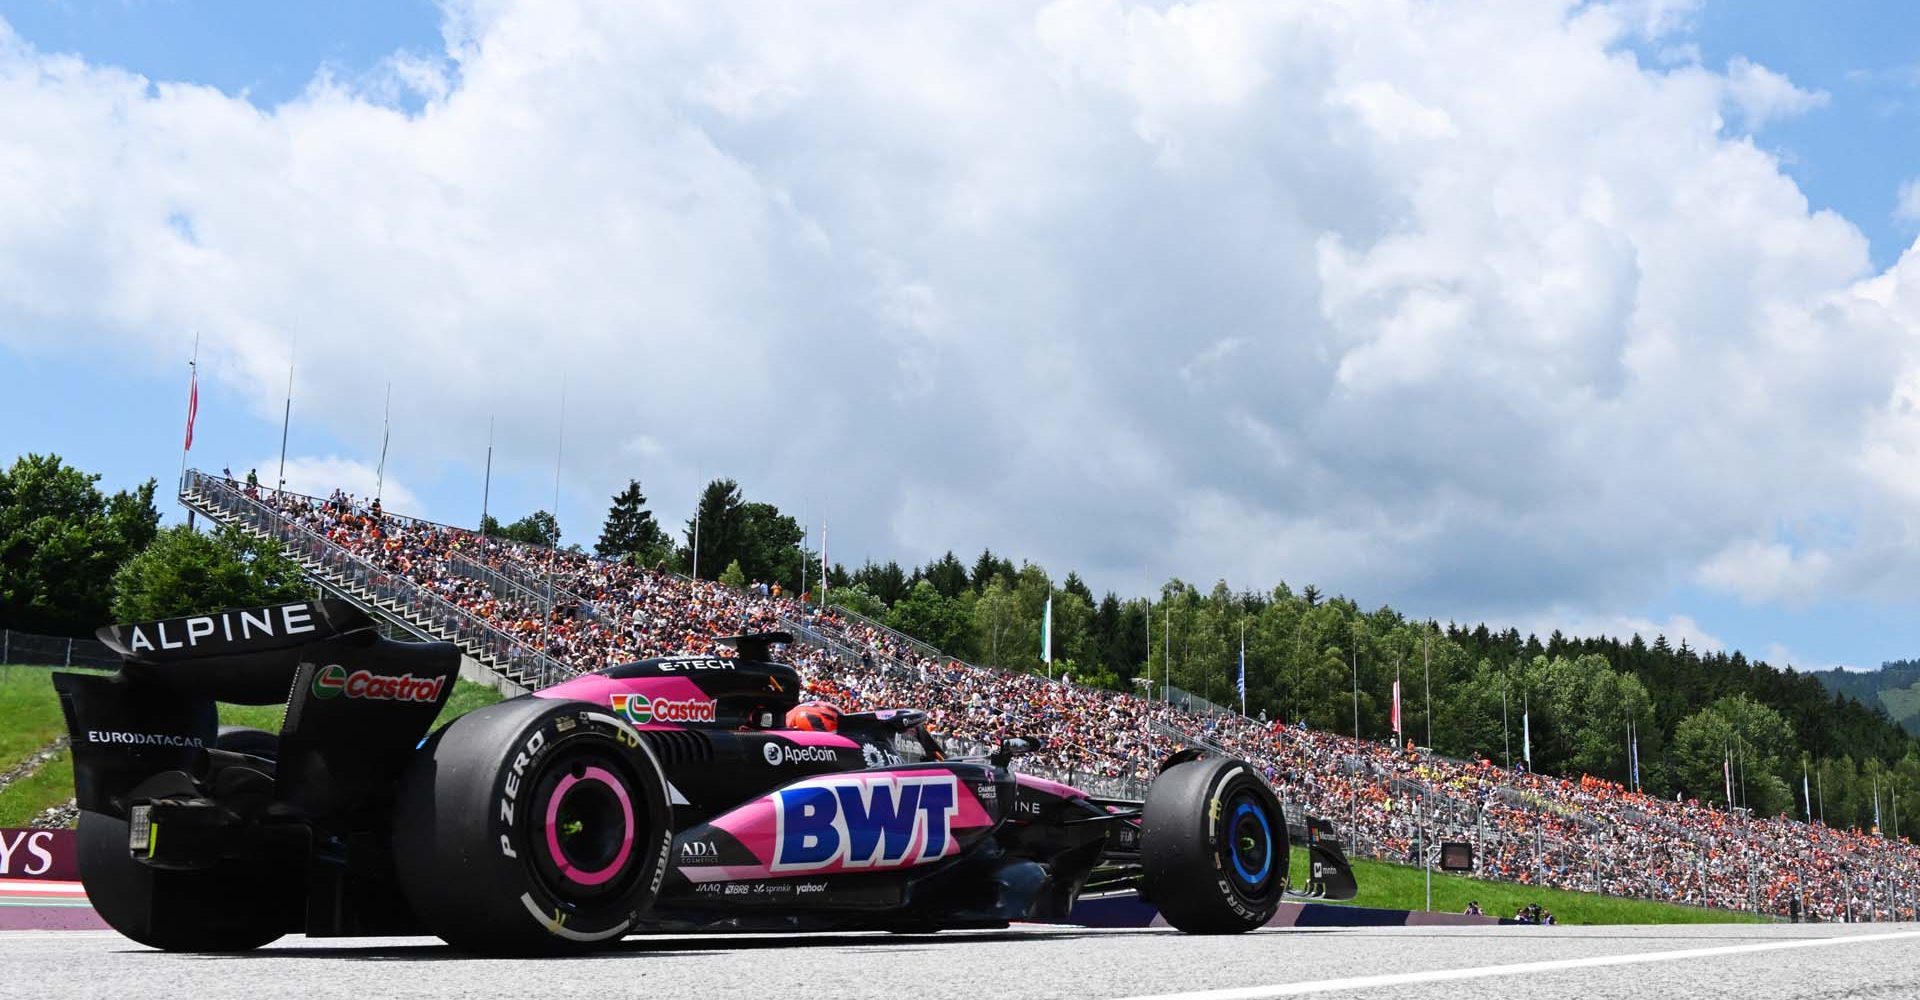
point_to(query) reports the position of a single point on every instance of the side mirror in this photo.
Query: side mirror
(901, 719)
(1018, 746)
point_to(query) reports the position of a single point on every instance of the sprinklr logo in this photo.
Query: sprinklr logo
(333, 680)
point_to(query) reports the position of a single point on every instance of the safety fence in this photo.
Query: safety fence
(28, 649)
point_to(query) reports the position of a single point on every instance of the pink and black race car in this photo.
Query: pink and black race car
(658, 795)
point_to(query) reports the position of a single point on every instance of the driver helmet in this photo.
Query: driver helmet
(814, 716)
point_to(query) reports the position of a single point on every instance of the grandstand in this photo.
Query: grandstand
(531, 616)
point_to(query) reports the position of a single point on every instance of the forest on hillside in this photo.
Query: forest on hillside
(1895, 686)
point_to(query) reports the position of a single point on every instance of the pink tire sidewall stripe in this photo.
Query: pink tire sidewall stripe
(605, 777)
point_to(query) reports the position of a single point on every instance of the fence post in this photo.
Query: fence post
(69, 662)
(6, 645)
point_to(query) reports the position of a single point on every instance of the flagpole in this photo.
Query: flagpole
(1526, 727)
(1046, 634)
(286, 420)
(1356, 689)
(1506, 732)
(193, 409)
(1426, 654)
(1293, 690)
(386, 434)
(486, 484)
(553, 543)
(1399, 726)
(1243, 666)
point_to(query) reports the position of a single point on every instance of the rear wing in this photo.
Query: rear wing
(242, 655)
(357, 703)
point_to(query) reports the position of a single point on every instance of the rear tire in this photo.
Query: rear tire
(235, 906)
(1213, 846)
(533, 826)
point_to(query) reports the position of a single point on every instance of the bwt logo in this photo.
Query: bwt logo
(865, 821)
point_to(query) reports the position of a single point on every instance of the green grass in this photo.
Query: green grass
(32, 795)
(1902, 703)
(31, 712)
(1399, 887)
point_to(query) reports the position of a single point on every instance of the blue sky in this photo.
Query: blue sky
(119, 394)
(269, 51)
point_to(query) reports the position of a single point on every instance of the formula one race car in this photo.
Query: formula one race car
(658, 795)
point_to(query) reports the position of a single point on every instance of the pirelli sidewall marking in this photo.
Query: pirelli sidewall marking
(512, 784)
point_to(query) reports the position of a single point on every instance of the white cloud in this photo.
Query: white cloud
(1763, 96)
(1907, 205)
(1767, 572)
(319, 476)
(1456, 305)
(1576, 622)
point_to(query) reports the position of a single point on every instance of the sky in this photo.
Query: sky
(1593, 316)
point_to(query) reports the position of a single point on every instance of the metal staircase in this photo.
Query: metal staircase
(388, 596)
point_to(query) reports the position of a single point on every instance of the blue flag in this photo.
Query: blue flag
(1243, 674)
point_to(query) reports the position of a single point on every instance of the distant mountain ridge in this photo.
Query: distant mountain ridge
(1894, 687)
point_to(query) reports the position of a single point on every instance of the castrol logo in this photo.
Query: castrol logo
(333, 681)
(641, 710)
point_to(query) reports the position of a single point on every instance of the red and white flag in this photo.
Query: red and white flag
(1396, 708)
(193, 406)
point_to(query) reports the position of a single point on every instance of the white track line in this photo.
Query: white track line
(1520, 969)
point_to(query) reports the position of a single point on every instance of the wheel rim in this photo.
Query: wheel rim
(589, 826)
(586, 828)
(1249, 845)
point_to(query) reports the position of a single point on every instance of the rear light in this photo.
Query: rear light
(140, 830)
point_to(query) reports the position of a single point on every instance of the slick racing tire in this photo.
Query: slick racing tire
(1213, 847)
(534, 826)
(234, 906)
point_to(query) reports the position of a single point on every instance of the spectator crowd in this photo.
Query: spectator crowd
(1388, 801)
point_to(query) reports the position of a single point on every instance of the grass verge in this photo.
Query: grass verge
(1400, 887)
(29, 713)
(34, 794)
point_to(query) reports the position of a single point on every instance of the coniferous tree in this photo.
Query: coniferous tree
(630, 529)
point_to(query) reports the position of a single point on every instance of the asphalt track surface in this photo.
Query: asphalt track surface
(1538, 963)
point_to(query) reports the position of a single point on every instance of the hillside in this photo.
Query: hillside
(1894, 687)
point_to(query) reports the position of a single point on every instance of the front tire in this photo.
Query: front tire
(1213, 846)
(533, 826)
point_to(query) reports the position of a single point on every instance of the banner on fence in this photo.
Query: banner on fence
(38, 854)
